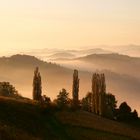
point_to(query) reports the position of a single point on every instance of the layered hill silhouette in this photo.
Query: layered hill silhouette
(27, 119)
(62, 55)
(47, 54)
(19, 70)
(122, 64)
(130, 50)
(120, 69)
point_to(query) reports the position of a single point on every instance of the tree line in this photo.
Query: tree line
(98, 101)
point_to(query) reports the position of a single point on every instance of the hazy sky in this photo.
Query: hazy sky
(31, 24)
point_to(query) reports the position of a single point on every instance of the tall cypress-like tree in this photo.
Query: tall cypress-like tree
(98, 93)
(37, 85)
(75, 90)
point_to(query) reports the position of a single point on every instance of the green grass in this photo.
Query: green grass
(27, 120)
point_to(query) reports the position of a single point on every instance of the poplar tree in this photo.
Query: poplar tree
(98, 94)
(75, 89)
(37, 85)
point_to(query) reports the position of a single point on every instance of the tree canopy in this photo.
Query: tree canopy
(8, 90)
(62, 98)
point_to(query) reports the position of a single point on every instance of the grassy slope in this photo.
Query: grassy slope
(26, 120)
(92, 126)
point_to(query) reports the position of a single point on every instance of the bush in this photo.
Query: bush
(125, 113)
(8, 90)
(62, 100)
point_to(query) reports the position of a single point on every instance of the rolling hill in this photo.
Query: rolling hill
(19, 70)
(131, 50)
(26, 119)
(62, 55)
(47, 54)
(121, 64)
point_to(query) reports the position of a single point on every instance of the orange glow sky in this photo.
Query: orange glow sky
(33, 24)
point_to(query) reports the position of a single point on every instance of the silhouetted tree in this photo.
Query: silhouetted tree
(124, 108)
(46, 100)
(75, 89)
(62, 99)
(37, 88)
(86, 102)
(98, 94)
(6, 89)
(135, 115)
(111, 105)
(124, 113)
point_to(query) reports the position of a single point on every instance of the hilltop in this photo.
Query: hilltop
(26, 119)
(115, 62)
(19, 70)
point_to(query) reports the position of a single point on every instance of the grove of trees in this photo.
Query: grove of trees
(97, 101)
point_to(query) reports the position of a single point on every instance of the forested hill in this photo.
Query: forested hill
(19, 71)
(27, 119)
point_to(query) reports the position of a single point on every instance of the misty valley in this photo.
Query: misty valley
(105, 85)
(69, 70)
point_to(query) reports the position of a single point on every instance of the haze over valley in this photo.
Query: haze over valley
(69, 70)
(122, 74)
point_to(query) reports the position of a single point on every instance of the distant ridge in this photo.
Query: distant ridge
(122, 75)
(46, 54)
(62, 55)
